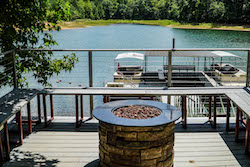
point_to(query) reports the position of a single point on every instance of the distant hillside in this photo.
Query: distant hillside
(195, 11)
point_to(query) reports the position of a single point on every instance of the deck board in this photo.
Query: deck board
(242, 99)
(198, 145)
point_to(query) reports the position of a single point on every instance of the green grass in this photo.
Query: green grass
(81, 23)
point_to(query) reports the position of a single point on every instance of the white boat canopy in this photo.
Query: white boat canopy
(130, 55)
(213, 54)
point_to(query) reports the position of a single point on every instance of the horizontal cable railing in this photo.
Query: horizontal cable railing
(7, 71)
(96, 67)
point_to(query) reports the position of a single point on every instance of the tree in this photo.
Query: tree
(80, 5)
(88, 9)
(100, 9)
(110, 8)
(96, 15)
(121, 11)
(216, 11)
(23, 25)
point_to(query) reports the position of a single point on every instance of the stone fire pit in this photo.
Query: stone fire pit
(144, 138)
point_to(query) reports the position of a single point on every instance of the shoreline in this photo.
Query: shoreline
(165, 23)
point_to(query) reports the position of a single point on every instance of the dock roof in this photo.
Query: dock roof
(130, 55)
(213, 54)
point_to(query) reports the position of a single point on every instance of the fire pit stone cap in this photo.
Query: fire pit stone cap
(105, 114)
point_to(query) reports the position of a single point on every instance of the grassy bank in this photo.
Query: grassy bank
(166, 23)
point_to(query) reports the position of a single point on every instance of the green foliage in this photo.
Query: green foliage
(227, 11)
(217, 10)
(23, 25)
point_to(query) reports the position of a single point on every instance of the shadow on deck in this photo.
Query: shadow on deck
(61, 144)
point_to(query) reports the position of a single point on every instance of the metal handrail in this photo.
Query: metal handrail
(90, 60)
(7, 52)
(167, 49)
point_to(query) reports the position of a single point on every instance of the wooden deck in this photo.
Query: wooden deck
(62, 145)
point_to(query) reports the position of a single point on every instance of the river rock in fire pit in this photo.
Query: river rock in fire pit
(137, 112)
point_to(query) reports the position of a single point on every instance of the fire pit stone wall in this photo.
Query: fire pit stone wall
(136, 146)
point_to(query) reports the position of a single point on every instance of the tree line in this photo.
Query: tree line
(221, 11)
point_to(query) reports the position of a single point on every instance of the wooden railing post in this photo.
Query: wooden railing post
(1, 152)
(169, 73)
(210, 109)
(184, 111)
(90, 82)
(248, 70)
(81, 102)
(45, 110)
(7, 142)
(215, 113)
(14, 70)
(228, 114)
(77, 110)
(39, 108)
(247, 138)
(20, 126)
(237, 124)
(29, 118)
(51, 106)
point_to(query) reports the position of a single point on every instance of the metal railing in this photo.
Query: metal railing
(170, 57)
(8, 68)
(91, 55)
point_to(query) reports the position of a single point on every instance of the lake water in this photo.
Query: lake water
(124, 36)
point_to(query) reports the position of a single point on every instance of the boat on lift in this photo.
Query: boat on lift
(202, 71)
(189, 69)
(129, 69)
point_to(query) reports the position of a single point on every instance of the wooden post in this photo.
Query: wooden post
(237, 124)
(81, 98)
(20, 126)
(45, 110)
(169, 73)
(90, 83)
(29, 118)
(145, 64)
(210, 109)
(77, 110)
(104, 99)
(169, 68)
(228, 115)
(247, 135)
(1, 152)
(205, 64)
(184, 111)
(51, 106)
(215, 113)
(7, 142)
(248, 70)
(39, 108)
(173, 43)
(14, 70)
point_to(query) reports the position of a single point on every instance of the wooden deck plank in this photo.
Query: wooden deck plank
(77, 147)
(241, 101)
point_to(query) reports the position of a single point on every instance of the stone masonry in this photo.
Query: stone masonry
(136, 146)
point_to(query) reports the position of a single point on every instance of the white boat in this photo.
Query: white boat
(127, 75)
(229, 75)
